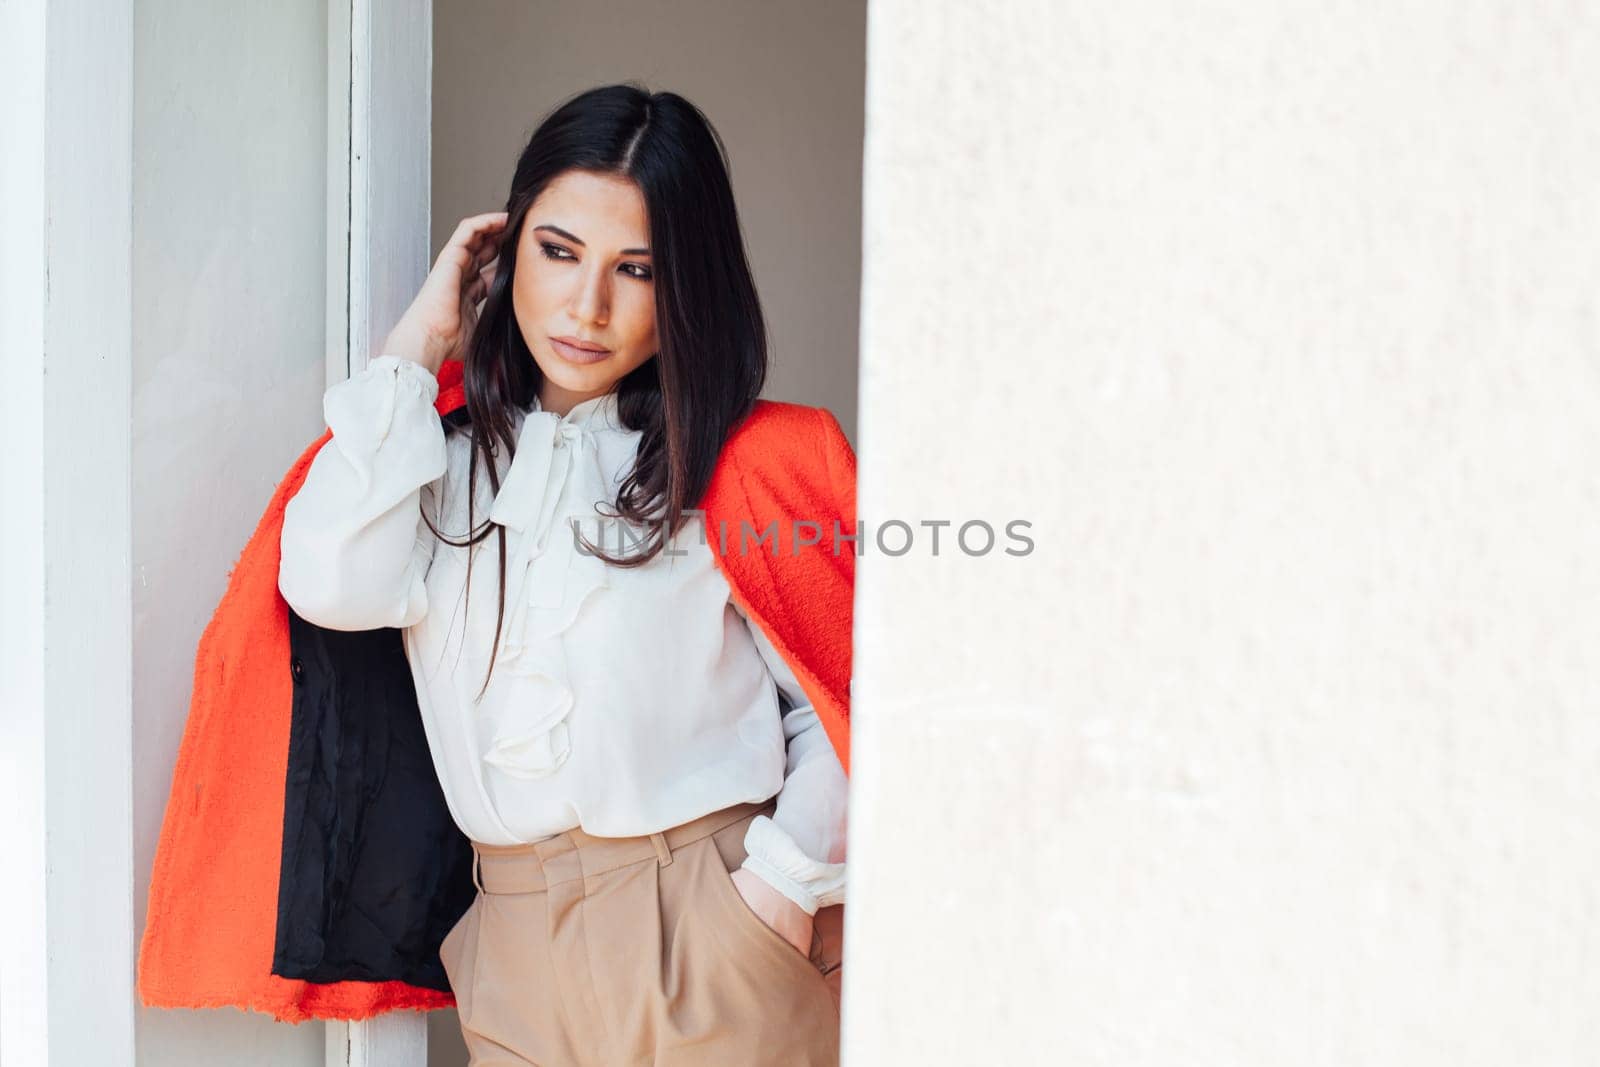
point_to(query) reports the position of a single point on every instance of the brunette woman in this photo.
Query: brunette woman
(656, 810)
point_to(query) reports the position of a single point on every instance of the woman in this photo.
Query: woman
(656, 810)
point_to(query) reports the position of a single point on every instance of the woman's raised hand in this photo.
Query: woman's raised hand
(439, 323)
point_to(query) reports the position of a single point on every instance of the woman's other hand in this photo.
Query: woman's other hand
(775, 909)
(440, 321)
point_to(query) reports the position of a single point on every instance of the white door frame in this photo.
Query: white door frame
(380, 73)
(380, 105)
(66, 633)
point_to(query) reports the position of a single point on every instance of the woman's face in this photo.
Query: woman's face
(584, 279)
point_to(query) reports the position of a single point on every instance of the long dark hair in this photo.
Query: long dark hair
(712, 361)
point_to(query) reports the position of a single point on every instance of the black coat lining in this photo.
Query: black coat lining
(374, 870)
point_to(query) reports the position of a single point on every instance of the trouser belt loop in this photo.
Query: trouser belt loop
(663, 853)
(477, 879)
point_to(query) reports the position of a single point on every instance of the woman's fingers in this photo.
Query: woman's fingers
(484, 245)
(474, 239)
(477, 232)
(488, 253)
(485, 277)
(477, 242)
(474, 224)
(486, 264)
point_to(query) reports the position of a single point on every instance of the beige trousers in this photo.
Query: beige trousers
(614, 951)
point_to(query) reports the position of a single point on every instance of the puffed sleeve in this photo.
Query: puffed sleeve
(355, 551)
(800, 850)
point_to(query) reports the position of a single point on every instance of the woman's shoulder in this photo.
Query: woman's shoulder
(785, 428)
(785, 443)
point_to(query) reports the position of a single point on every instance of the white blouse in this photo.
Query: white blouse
(623, 700)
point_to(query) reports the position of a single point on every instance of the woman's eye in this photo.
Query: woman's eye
(559, 254)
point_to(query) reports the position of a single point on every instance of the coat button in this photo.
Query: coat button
(297, 670)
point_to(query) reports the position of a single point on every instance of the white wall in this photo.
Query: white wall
(782, 83)
(228, 373)
(1279, 323)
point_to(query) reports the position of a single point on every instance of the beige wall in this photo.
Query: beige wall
(228, 372)
(783, 85)
(1281, 747)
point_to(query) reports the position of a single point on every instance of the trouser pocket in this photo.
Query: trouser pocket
(458, 952)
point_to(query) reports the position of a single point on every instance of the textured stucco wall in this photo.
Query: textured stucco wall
(1279, 322)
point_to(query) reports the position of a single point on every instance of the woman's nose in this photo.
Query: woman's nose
(591, 300)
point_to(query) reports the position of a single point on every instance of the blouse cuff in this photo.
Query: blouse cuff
(777, 860)
(362, 409)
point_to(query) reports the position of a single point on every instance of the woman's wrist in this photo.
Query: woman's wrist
(406, 345)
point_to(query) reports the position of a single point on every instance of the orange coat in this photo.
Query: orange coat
(217, 926)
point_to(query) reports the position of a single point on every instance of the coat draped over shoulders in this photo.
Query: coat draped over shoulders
(304, 794)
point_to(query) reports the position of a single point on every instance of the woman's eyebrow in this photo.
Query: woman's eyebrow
(579, 243)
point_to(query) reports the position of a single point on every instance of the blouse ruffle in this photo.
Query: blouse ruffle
(554, 478)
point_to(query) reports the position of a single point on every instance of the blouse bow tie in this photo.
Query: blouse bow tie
(555, 477)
